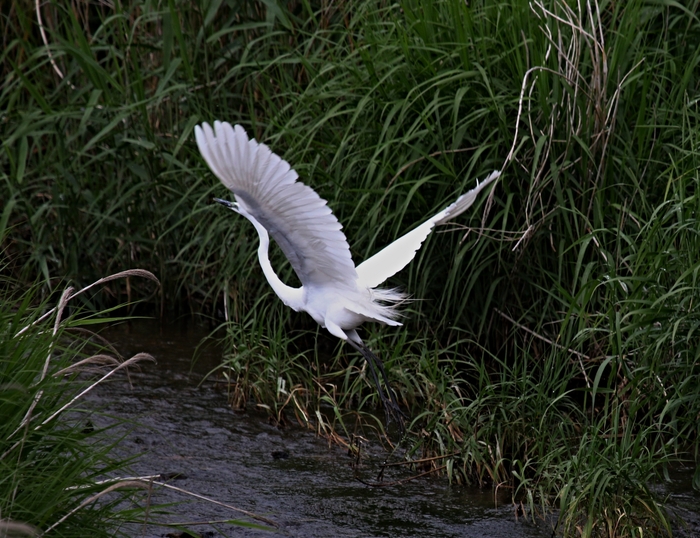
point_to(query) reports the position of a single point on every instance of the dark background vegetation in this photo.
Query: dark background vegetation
(554, 345)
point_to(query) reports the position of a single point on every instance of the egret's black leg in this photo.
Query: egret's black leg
(391, 407)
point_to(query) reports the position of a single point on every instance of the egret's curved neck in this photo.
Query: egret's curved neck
(292, 297)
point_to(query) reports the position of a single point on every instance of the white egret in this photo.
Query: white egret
(338, 295)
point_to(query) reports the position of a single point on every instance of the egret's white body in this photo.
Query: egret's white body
(338, 295)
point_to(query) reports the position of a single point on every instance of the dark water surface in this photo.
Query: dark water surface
(180, 427)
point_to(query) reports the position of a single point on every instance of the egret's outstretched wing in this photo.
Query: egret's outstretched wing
(266, 187)
(390, 260)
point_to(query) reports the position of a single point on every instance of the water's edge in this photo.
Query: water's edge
(185, 431)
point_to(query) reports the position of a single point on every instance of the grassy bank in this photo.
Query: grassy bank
(555, 348)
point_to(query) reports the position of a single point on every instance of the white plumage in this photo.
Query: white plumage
(338, 295)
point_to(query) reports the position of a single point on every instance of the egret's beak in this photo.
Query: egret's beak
(231, 205)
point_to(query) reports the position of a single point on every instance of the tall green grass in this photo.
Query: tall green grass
(554, 342)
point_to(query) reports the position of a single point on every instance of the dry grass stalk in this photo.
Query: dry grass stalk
(12, 528)
(66, 296)
(119, 485)
(133, 360)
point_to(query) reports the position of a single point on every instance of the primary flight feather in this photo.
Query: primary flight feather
(338, 295)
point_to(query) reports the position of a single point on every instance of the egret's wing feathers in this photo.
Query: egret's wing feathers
(295, 216)
(390, 260)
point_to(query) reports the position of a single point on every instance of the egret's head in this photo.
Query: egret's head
(233, 206)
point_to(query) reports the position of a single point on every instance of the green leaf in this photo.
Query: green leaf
(22, 159)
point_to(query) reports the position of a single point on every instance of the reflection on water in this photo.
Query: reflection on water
(184, 429)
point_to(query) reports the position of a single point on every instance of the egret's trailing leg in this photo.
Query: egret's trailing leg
(391, 407)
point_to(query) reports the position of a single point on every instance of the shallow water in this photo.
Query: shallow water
(185, 430)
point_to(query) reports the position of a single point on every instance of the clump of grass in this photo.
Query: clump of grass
(52, 460)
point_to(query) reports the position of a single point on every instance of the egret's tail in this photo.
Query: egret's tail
(387, 301)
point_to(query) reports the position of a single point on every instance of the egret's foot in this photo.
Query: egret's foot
(394, 414)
